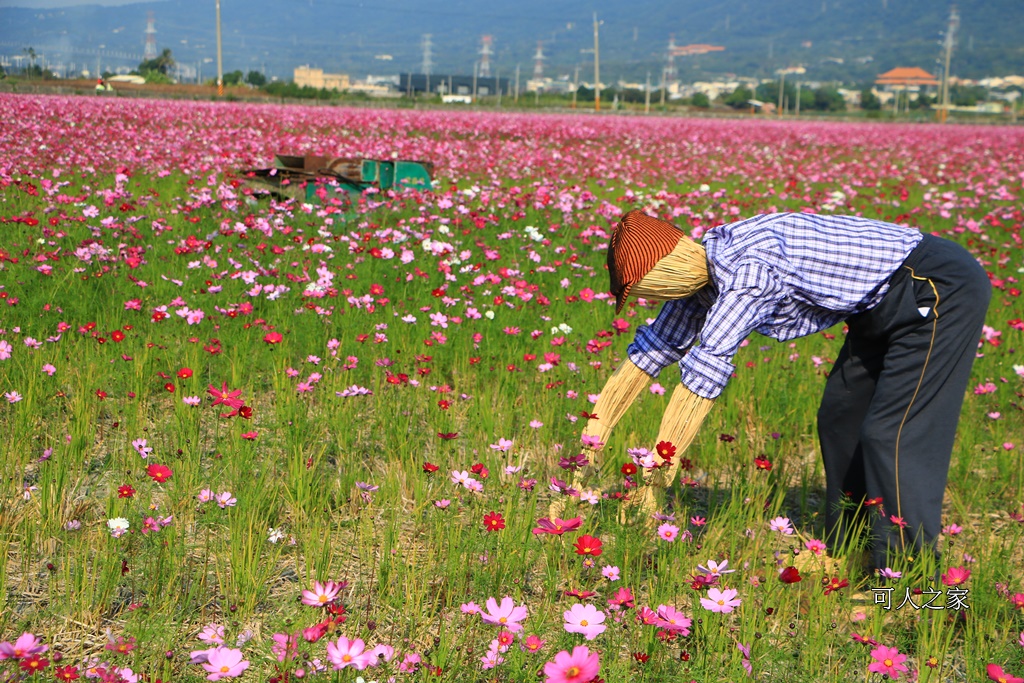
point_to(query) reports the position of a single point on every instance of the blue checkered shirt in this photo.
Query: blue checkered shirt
(784, 275)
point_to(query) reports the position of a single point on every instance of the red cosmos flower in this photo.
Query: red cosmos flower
(443, 404)
(249, 436)
(493, 521)
(790, 575)
(117, 335)
(588, 545)
(763, 463)
(185, 373)
(245, 412)
(100, 394)
(727, 438)
(447, 436)
(588, 416)
(159, 473)
(479, 470)
(34, 663)
(273, 337)
(641, 657)
(169, 387)
(66, 673)
(580, 594)
(429, 467)
(125, 491)
(834, 584)
(666, 450)
(629, 469)
(224, 397)
(158, 316)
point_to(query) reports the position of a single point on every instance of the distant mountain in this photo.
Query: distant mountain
(848, 40)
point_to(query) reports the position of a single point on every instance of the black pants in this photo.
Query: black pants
(893, 399)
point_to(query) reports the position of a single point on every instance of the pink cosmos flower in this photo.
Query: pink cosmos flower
(5, 349)
(584, 619)
(557, 526)
(322, 594)
(285, 646)
(212, 633)
(668, 532)
(815, 546)
(579, 667)
(49, 369)
(671, 619)
(996, 673)
(506, 614)
(225, 499)
(782, 525)
(502, 445)
(721, 601)
(345, 653)
(888, 661)
(25, 646)
(955, 576)
(224, 662)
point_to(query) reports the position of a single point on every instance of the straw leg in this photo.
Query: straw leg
(618, 394)
(679, 425)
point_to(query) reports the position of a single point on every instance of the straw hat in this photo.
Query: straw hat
(651, 258)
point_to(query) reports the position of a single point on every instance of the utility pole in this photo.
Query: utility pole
(220, 57)
(647, 94)
(476, 66)
(517, 84)
(497, 84)
(798, 84)
(575, 84)
(597, 69)
(428, 62)
(954, 23)
(782, 88)
(664, 87)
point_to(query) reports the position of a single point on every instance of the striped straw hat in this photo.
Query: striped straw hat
(640, 245)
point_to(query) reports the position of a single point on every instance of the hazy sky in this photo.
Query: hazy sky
(48, 4)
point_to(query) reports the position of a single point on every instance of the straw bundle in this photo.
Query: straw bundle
(676, 275)
(618, 394)
(679, 425)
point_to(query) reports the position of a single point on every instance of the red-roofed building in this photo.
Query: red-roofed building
(904, 76)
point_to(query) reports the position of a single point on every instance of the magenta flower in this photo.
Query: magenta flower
(584, 619)
(668, 532)
(25, 646)
(671, 619)
(955, 576)
(346, 653)
(557, 526)
(579, 667)
(506, 614)
(888, 661)
(721, 601)
(224, 662)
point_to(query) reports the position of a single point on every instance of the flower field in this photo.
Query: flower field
(247, 437)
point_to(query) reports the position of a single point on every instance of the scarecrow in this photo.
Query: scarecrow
(914, 305)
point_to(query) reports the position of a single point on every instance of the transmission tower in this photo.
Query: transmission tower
(669, 76)
(150, 51)
(538, 61)
(485, 55)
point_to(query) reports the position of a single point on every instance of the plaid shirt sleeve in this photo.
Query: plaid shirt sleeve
(746, 301)
(663, 342)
